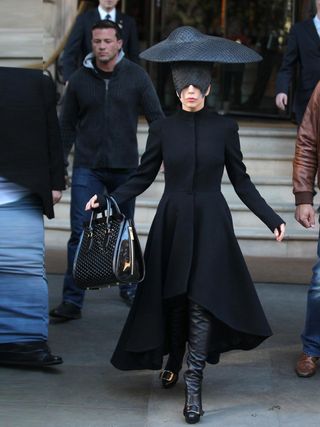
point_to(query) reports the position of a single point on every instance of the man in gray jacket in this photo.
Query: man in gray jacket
(100, 116)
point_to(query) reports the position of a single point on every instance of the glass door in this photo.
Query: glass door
(246, 89)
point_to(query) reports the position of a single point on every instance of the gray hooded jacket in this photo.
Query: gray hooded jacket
(103, 123)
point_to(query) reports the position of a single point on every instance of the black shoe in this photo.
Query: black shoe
(66, 311)
(168, 378)
(35, 354)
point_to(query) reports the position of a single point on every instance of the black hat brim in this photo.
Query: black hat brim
(209, 49)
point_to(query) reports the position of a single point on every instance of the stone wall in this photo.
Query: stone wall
(31, 30)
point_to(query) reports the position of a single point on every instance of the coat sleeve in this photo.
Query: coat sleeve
(73, 48)
(150, 102)
(132, 47)
(55, 152)
(147, 171)
(243, 185)
(290, 59)
(68, 121)
(305, 163)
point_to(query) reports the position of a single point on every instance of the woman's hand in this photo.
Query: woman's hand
(279, 232)
(92, 203)
(56, 196)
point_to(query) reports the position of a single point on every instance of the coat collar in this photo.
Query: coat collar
(187, 115)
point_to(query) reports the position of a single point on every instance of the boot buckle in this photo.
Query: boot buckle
(167, 375)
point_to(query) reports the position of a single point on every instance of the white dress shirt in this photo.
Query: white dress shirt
(103, 13)
(316, 21)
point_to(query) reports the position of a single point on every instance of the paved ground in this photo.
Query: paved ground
(257, 388)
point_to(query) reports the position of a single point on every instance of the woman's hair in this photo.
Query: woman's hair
(186, 73)
(105, 23)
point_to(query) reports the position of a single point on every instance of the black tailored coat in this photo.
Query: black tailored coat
(30, 140)
(192, 248)
(79, 41)
(303, 49)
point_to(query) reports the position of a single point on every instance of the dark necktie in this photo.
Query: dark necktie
(108, 17)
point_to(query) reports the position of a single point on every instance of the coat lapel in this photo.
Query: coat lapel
(312, 31)
(119, 19)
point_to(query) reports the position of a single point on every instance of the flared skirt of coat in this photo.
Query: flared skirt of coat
(192, 250)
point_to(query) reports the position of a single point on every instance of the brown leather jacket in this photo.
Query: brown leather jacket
(307, 155)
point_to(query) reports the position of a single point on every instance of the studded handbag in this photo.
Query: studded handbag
(109, 251)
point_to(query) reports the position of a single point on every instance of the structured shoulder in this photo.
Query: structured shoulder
(219, 120)
(126, 18)
(133, 67)
(157, 125)
(76, 76)
(301, 26)
(90, 14)
(229, 122)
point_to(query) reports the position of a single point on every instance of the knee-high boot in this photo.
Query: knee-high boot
(178, 331)
(199, 334)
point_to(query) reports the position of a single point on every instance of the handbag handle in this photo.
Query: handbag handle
(95, 212)
(114, 205)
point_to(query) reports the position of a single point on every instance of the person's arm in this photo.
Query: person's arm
(151, 106)
(133, 42)
(73, 49)
(243, 185)
(55, 151)
(284, 77)
(68, 121)
(305, 163)
(144, 176)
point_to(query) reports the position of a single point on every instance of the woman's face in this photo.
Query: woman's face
(192, 99)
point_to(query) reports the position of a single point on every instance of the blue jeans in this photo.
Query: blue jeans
(86, 183)
(23, 284)
(311, 334)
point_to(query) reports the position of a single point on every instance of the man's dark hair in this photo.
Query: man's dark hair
(106, 23)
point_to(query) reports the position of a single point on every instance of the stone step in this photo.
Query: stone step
(276, 192)
(254, 241)
(253, 139)
(278, 165)
(242, 217)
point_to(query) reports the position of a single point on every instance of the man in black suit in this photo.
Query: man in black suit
(79, 41)
(303, 49)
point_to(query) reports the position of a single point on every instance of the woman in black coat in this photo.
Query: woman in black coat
(197, 288)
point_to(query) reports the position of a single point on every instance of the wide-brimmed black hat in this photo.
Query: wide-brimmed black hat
(189, 44)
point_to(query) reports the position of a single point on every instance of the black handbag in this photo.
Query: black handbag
(109, 251)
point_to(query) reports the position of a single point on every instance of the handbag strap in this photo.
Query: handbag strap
(115, 206)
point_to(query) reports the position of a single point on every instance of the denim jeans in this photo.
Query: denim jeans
(23, 284)
(311, 334)
(86, 183)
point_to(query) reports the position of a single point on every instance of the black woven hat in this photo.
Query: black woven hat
(189, 44)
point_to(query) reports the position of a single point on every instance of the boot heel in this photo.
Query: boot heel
(192, 414)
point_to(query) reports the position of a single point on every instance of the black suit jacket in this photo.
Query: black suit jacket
(79, 41)
(303, 49)
(30, 141)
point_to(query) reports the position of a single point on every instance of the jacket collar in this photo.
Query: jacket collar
(88, 64)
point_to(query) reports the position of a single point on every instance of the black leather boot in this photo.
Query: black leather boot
(199, 334)
(177, 318)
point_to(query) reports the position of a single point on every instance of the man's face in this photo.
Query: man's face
(108, 4)
(318, 6)
(105, 45)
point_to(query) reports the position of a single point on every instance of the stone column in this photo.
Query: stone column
(58, 16)
(21, 32)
